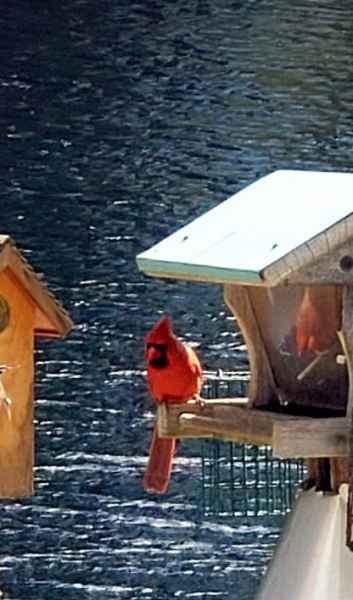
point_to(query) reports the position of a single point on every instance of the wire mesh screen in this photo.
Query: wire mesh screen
(243, 479)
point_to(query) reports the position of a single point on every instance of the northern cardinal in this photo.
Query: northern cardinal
(174, 375)
(318, 319)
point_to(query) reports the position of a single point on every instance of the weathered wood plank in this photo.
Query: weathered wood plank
(349, 226)
(290, 436)
(336, 235)
(304, 255)
(227, 429)
(318, 245)
(168, 414)
(327, 268)
(277, 272)
(262, 386)
(232, 419)
(339, 472)
(311, 438)
(290, 262)
(281, 271)
(19, 269)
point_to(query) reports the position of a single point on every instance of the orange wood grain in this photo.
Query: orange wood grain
(16, 435)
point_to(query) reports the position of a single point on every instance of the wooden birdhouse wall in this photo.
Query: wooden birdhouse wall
(16, 433)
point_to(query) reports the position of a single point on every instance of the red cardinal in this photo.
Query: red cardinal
(174, 375)
(318, 319)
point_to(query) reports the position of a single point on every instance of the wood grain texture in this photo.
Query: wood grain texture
(311, 438)
(168, 415)
(316, 260)
(230, 418)
(262, 386)
(304, 255)
(339, 472)
(348, 221)
(22, 271)
(336, 235)
(16, 435)
(318, 245)
(227, 429)
(299, 260)
(326, 269)
(289, 436)
(50, 317)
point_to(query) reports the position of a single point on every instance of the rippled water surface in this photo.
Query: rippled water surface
(121, 121)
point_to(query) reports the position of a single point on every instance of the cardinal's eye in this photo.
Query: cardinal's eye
(160, 347)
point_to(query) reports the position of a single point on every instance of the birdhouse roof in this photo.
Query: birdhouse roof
(261, 235)
(51, 319)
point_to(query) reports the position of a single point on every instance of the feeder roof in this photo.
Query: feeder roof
(274, 226)
(51, 319)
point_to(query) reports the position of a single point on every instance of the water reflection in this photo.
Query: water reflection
(121, 122)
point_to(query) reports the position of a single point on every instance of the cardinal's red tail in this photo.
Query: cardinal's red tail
(159, 464)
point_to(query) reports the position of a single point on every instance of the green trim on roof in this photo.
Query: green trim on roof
(201, 272)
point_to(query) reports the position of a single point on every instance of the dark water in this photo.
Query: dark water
(121, 121)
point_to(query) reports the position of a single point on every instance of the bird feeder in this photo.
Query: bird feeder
(283, 250)
(27, 311)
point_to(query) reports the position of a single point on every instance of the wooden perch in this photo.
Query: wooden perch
(226, 429)
(231, 419)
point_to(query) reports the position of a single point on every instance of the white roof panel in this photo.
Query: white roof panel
(254, 228)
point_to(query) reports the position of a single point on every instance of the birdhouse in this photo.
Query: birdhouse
(283, 250)
(27, 310)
